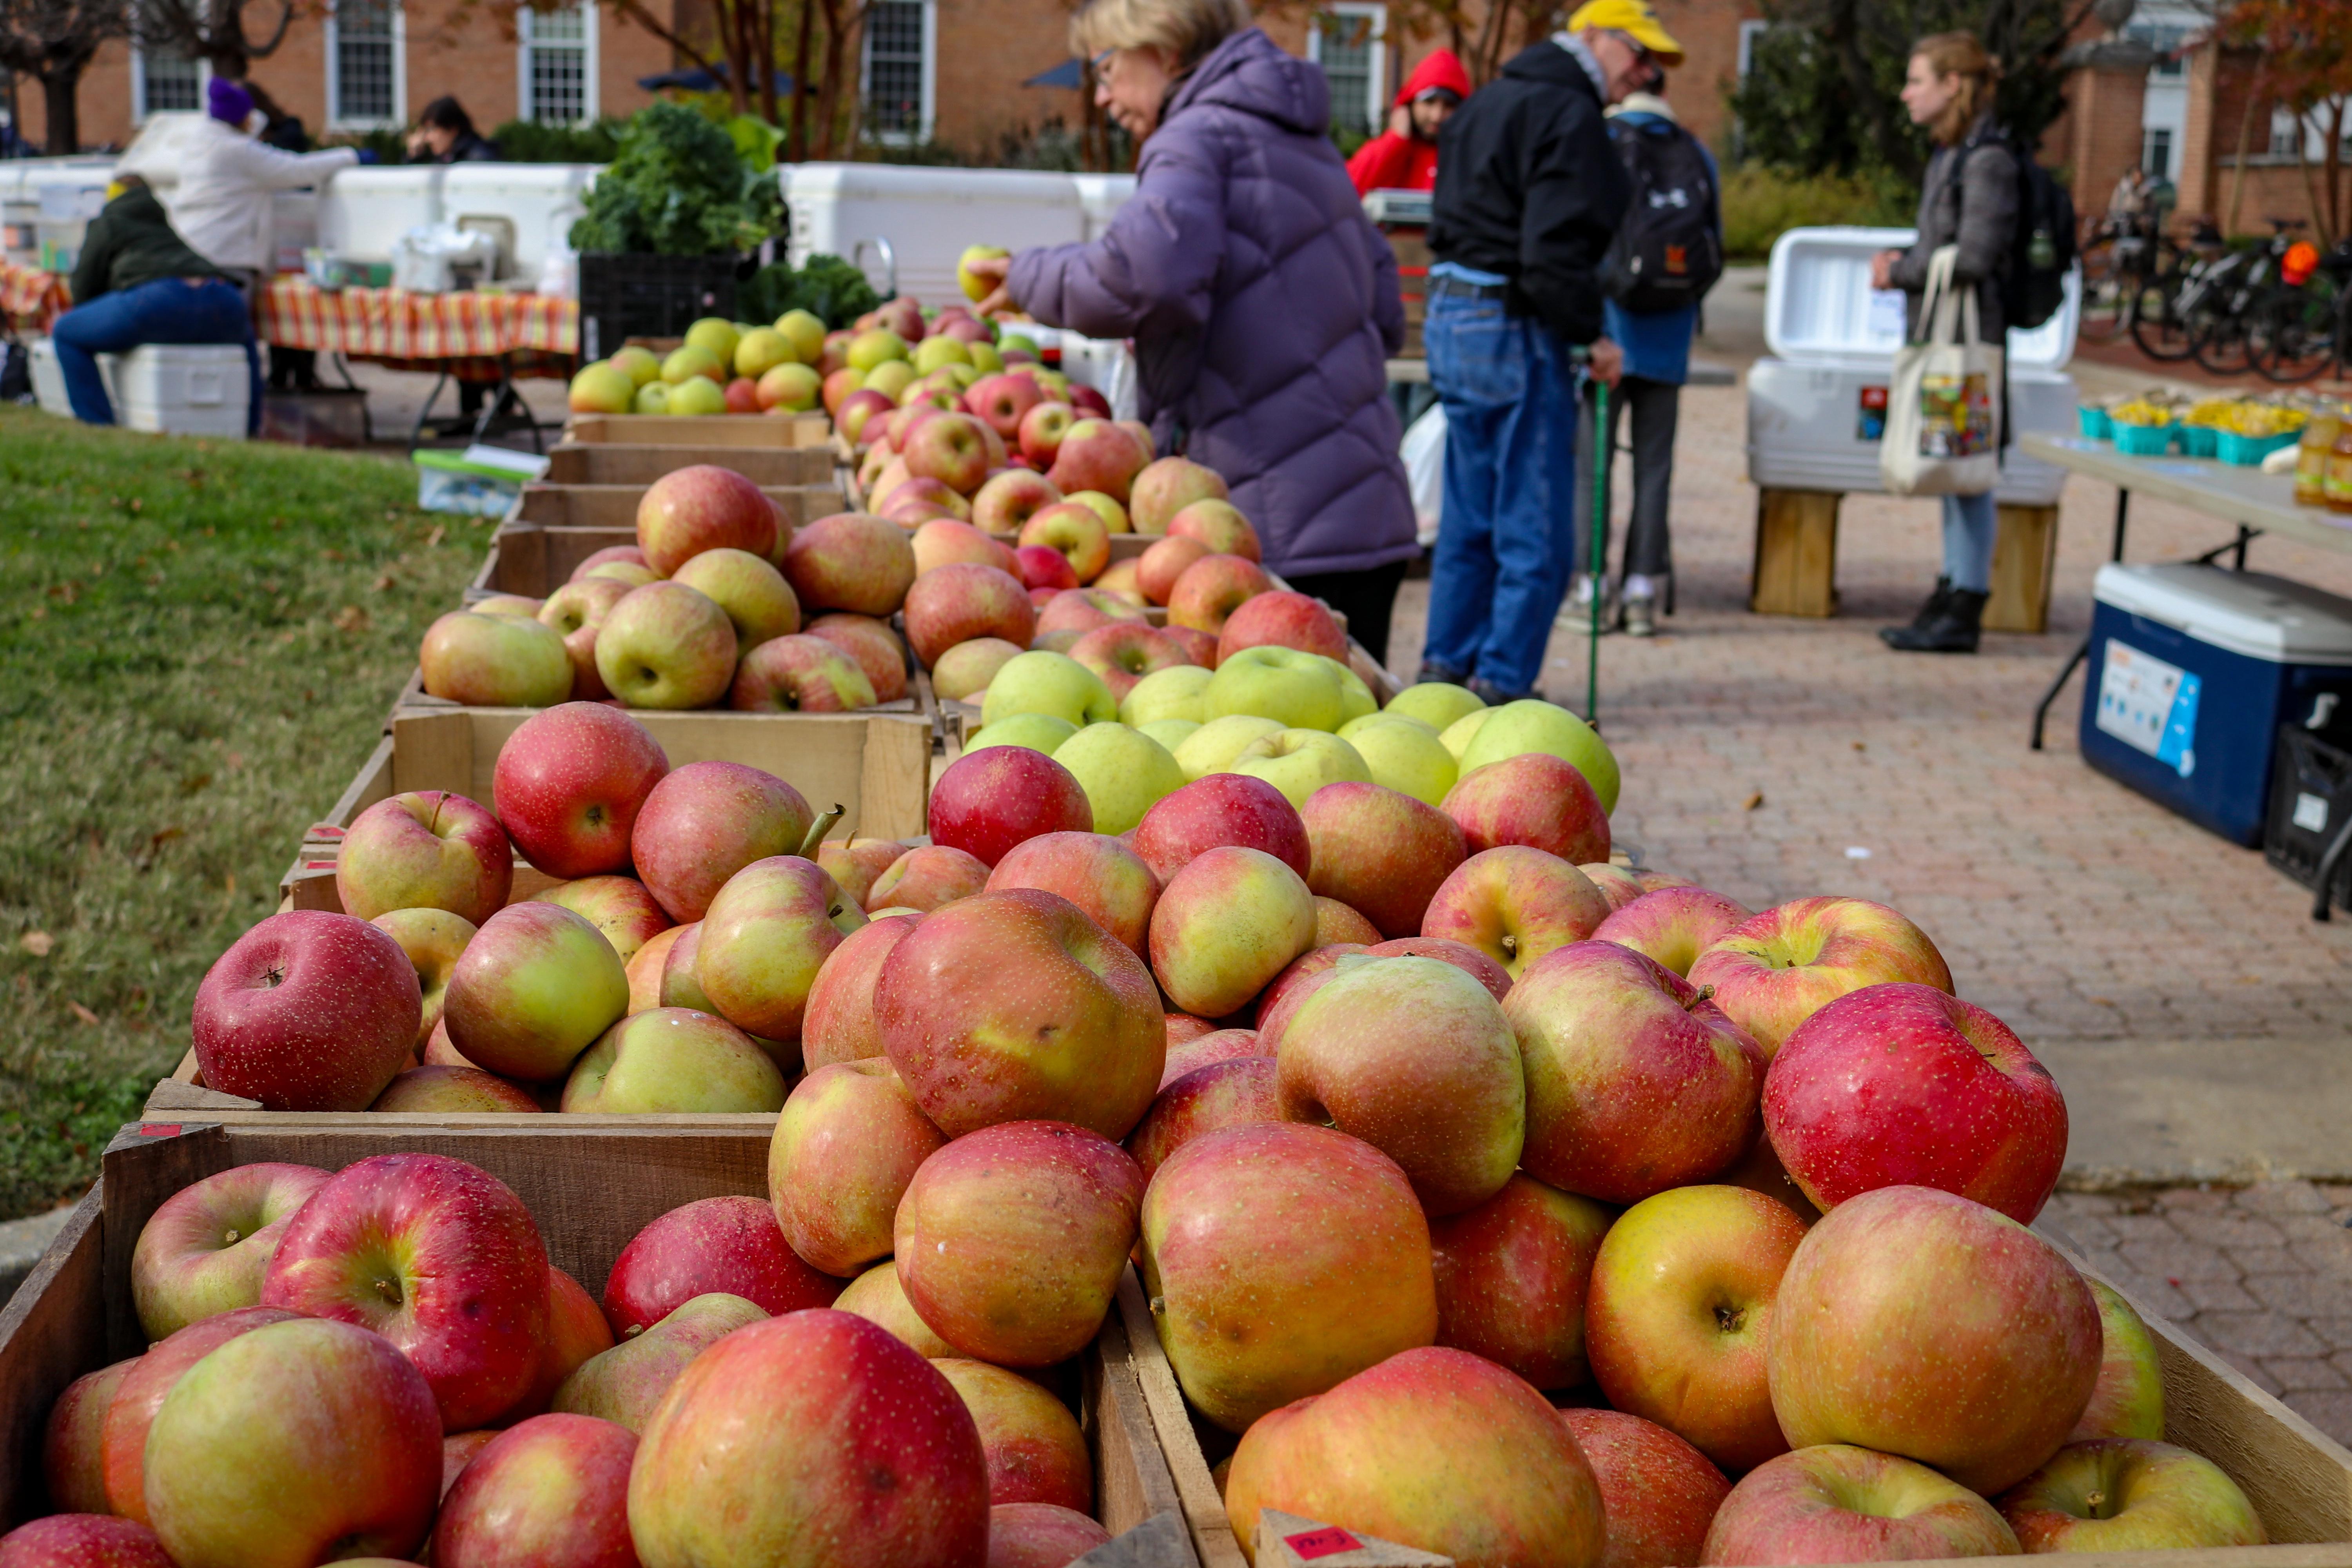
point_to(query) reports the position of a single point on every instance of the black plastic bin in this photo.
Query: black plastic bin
(624, 297)
(2311, 803)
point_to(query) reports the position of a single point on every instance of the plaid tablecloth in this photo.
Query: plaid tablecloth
(32, 298)
(464, 334)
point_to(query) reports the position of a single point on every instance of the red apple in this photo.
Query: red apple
(1286, 1259)
(743, 395)
(875, 646)
(629, 554)
(1163, 563)
(703, 507)
(1097, 455)
(950, 448)
(1535, 799)
(1166, 486)
(679, 986)
(1041, 432)
(82, 1540)
(818, 1427)
(707, 821)
(2128, 1401)
(946, 542)
(457, 1451)
(1199, 1052)
(941, 502)
(1380, 852)
(1218, 524)
(1041, 567)
(131, 1413)
(577, 610)
(1635, 1081)
(443, 1089)
(847, 1142)
(728, 1243)
(1082, 610)
(962, 601)
(988, 801)
(800, 674)
(1496, 1478)
(1040, 1535)
(2122, 1495)
(1916, 1323)
(1671, 924)
(576, 1335)
(1003, 401)
(1074, 530)
(759, 602)
(1658, 1494)
(1909, 1086)
(839, 1026)
(1036, 1452)
(667, 646)
(928, 877)
(851, 561)
(1227, 922)
(1212, 589)
(569, 784)
(624, 1382)
(1286, 992)
(1782, 967)
(1107, 880)
(620, 907)
(300, 1442)
(1182, 1028)
(533, 990)
(73, 1445)
(1236, 1091)
(1220, 809)
(1278, 618)
(307, 1010)
(1199, 646)
(1463, 956)
(1512, 1274)
(204, 1251)
(878, 1297)
(861, 411)
(1124, 652)
(1515, 904)
(856, 864)
(766, 934)
(426, 849)
(438, 1256)
(1011, 499)
(1839, 1504)
(555, 1489)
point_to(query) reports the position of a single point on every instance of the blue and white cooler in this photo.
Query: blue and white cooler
(2193, 669)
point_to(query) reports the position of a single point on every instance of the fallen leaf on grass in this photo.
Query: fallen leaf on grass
(386, 583)
(84, 1013)
(38, 942)
(1752, 801)
(350, 618)
(440, 531)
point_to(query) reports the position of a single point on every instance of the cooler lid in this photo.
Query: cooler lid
(1819, 304)
(2248, 613)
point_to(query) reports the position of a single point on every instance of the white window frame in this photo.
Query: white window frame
(590, 26)
(1376, 94)
(140, 112)
(336, 119)
(928, 118)
(1751, 32)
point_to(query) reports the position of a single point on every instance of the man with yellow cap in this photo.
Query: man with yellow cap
(1530, 194)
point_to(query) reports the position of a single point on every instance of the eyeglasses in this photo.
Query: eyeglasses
(1101, 63)
(1648, 70)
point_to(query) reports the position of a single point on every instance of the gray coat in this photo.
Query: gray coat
(1263, 306)
(1969, 199)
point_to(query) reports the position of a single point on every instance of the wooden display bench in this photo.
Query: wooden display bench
(592, 1182)
(1795, 567)
(615, 506)
(573, 462)
(810, 429)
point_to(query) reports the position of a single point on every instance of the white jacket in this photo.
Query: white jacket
(218, 184)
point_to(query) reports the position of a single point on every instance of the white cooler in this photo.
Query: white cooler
(927, 216)
(536, 203)
(361, 211)
(1817, 406)
(172, 389)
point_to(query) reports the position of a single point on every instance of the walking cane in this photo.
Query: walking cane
(1600, 549)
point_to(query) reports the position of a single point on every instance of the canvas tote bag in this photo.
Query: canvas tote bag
(1943, 406)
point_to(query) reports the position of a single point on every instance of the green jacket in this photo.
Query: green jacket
(131, 243)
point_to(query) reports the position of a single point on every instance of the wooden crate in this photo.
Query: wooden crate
(2299, 1479)
(1795, 572)
(641, 463)
(592, 1185)
(810, 429)
(2024, 562)
(615, 506)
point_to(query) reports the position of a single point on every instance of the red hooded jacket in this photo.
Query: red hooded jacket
(1392, 162)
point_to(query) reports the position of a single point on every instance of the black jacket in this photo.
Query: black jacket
(130, 242)
(1530, 188)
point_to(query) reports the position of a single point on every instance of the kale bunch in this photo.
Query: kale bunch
(676, 187)
(828, 288)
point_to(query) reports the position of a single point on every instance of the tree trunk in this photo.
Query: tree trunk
(2245, 141)
(62, 138)
(768, 61)
(798, 142)
(2334, 166)
(828, 98)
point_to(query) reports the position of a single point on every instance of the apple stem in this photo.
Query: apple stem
(823, 825)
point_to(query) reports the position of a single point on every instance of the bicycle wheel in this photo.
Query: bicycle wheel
(2160, 324)
(2109, 277)
(2297, 338)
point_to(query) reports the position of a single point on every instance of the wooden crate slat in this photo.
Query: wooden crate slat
(763, 430)
(630, 464)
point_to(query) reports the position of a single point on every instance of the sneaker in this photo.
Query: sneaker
(1576, 611)
(1638, 613)
(1445, 674)
(1494, 696)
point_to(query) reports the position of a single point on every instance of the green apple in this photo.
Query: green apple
(869, 349)
(1042, 682)
(889, 378)
(1038, 732)
(694, 363)
(642, 364)
(1212, 748)
(1301, 689)
(1169, 732)
(1404, 755)
(1020, 341)
(976, 289)
(1124, 773)
(806, 330)
(1356, 698)
(1170, 693)
(1436, 703)
(653, 397)
(602, 388)
(1532, 725)
(934, 353)
(984, 358)
(695, 396)
(1300, 761)
(1456, 737)
(674, 1059)
(717, 336)
(1355, 727)
(762, 351)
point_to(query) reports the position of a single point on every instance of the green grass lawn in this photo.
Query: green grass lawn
(198, 640)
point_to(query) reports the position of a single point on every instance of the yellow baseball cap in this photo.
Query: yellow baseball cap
(1635, 20)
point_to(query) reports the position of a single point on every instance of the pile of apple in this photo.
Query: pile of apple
(352, 1366)
(723, 367)
(706, 608)
(896, 356)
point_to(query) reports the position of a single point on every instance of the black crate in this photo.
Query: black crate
(2311, 800)
(625, 297)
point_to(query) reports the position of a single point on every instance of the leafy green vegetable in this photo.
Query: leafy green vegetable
(827, 288)
(677, 187)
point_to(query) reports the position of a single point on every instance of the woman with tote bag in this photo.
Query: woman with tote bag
(1936, 440)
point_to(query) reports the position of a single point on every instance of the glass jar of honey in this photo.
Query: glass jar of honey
(2311, 456)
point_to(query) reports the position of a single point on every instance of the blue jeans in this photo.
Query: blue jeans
(168, 310)
(1507, 539)
(1969, 522)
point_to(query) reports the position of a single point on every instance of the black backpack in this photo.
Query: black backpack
(1669, 251)
(2042, 248)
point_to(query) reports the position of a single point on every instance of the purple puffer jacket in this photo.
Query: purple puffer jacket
(1263, 305)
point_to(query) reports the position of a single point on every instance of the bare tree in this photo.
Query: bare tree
(211, 30)
(52, 41)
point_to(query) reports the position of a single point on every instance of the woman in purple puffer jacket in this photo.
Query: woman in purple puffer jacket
(1263, 304)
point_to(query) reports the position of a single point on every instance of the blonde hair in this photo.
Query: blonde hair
(1190, 28)
(1963, 56)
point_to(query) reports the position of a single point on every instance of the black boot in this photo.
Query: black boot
(1952, 629)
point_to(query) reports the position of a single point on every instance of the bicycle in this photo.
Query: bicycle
(2128, 265)
(2308, 322)
(2228, 332)
(2164, 322)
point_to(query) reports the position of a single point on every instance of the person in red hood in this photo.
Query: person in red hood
(1405, 156)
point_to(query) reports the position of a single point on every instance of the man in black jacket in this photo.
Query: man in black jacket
(1530, 193)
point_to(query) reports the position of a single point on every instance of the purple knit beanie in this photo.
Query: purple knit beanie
(225, 100)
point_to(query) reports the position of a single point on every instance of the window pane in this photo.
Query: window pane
(558, 59)
(2158, 159)
(894, 67)
(363, 61)
(169, 81)
(1350, 55)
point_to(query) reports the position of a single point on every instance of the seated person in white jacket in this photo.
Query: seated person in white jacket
(226, 179)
